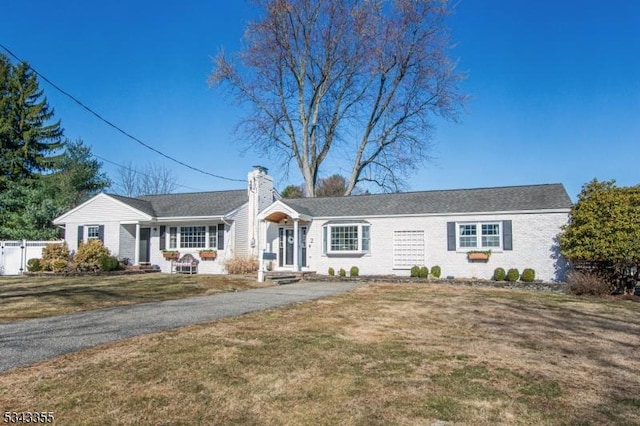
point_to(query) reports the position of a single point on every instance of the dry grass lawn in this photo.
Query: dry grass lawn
(383, 354)
(28, 297)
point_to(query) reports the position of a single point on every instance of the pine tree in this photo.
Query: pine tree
(29, 142)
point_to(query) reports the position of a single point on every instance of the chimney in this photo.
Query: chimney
(260, 191)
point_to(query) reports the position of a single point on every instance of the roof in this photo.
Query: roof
(508, 198)
(193, 204)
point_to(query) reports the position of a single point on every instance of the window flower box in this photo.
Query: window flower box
(171, 254)
(208, 254)
(478, 256)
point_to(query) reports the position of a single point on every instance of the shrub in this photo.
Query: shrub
(436, 271)
(415, 271)
(58, 265)
(332, 271)
(513, 275)
(34, 265)
(354, 271)
(528, 275)
(342, 272)
(588, 283)
(51, 252)
(424, 272)
(499, 274)
(108, 263)
(242, 265)
(87, 258)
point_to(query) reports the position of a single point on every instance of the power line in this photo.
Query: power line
(140, 173)
(130, 136)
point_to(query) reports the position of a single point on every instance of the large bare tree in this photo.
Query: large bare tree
(153, 179)
(352, 80)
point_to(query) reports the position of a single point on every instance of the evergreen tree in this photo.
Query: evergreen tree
(29, 145)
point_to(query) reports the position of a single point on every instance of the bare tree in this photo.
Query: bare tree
(332, 186)
(153, 179)
(363, 75)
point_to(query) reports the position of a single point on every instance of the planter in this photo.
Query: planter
(171, 255)
(206, 255)
(480, 257)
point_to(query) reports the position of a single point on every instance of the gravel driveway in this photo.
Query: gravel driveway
(27, 342)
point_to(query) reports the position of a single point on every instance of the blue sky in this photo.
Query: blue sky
(554, 88)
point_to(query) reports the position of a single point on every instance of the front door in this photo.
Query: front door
(286, 246)
(285, 252)
(145, 239)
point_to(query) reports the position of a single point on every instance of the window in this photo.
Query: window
(93, 232)
(173, 237)
(347, 238)
(490, 236)
(193, 236)
(213, 237)
(408, 249)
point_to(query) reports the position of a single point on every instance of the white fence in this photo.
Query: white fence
(15, 254)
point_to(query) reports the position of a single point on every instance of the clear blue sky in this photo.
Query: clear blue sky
(554, 86)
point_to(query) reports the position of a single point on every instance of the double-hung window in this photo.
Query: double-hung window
(93, 232)
(346, 238)
(484, 235)
(195, 237)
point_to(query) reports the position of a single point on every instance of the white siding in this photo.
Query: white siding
(241, 231)
(127, 242)
(103, 209)
(534, 246)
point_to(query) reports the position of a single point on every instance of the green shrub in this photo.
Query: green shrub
(528, 275)
(436, 271)
(415, 271)
(354, 271)
(34, 265)
(499, 274)
(513, 275)
(52, 252)
(342, 272)
(332, 271)
(424, 272)
(87, 258)
(108, 263)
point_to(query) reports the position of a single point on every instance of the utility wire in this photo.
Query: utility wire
(141, 173)
(70, 96)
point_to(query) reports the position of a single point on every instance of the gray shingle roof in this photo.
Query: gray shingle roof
(193, 204)
(510, 198)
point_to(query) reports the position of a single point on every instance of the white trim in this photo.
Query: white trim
(478, 236)
(358, 225)
(172, 219)
(446, 214)
(280, 207)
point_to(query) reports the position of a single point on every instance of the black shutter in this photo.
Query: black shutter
(163, 237)
(101, 233)
(221, 236)
(507, 235)
(80, 235)
(451, 236)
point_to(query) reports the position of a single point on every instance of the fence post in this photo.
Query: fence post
(23, 246)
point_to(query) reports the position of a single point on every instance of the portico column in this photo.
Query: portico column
(136, 257)
(296, 246)
(262, 247)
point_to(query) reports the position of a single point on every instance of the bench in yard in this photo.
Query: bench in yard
(187, 264)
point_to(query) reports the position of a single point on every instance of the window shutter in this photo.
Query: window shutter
(80, 235)
(324, 240)
(163, 237)
(507, 235)
(451, 236)
(221, 236)
(101, 233)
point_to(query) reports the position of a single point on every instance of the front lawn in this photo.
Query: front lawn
(383, 354)
(40, 296)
